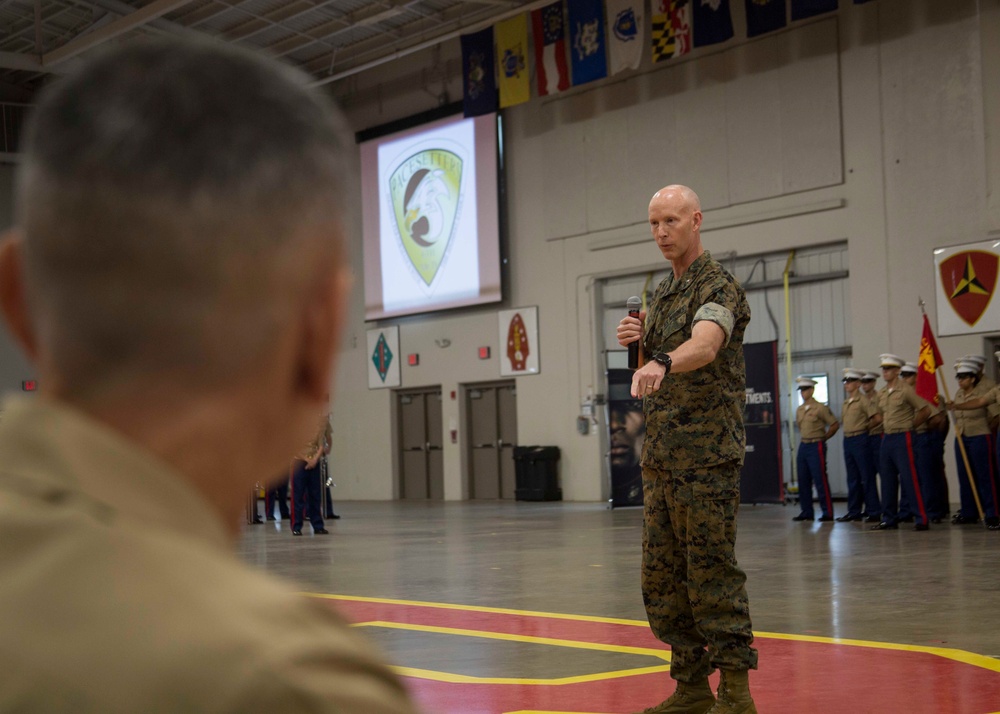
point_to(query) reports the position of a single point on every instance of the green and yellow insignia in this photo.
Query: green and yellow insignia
(425, 201)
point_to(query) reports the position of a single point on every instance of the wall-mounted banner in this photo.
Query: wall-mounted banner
(761, 478)
(383, 357)
(518, 341)
(966, 281)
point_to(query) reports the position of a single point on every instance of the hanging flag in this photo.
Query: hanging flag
(671, 26)
(512, 61)
(765, 16)
(625, 30)
(586, 31)
(479, 84)
(801, 9)
(712, 22)
(927, 364)
(551, 67)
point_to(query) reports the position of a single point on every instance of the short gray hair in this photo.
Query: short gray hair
(175, 197)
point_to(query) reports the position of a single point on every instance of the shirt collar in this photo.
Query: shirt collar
(696, 267)
(54, 451)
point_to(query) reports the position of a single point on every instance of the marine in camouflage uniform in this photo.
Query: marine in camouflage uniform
(693, 589)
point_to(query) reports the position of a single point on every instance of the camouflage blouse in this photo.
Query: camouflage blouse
(695, 419)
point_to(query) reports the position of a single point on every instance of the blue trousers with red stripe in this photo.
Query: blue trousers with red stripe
(306, 490)
(811, 465)
(860, 472)
(873, 504)
(898, 470)
(978, 450)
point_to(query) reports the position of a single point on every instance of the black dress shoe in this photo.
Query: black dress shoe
(296, 532)
(936, 521)
(908, 519)
(847, 518)
(271, 518)
(921, 527)
(992, 522)
(823, 519)
(320, 531)
(994, 527)
(958, 520)
(800, 517)
(332, 516)
(872, 519)
(256, 520)
(885, 527)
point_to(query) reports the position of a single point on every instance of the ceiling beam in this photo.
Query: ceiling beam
(84, 42)
(16, 60)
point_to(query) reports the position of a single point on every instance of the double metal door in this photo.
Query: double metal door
(420, 428)
(492, 413)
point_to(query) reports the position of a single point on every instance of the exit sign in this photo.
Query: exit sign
(29, 385)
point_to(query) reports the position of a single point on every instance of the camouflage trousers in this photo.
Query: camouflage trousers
(692, 587)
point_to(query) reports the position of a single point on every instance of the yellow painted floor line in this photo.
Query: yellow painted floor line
(452, 678)
(577, 644)
(970, 658)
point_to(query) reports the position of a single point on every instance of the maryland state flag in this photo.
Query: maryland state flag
(671, 25)
(927, 365)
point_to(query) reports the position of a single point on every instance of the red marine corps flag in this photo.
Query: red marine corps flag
(927, 365)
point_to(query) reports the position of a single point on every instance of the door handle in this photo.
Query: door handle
(484, 446)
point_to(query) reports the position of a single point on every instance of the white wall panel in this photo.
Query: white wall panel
(753, 124)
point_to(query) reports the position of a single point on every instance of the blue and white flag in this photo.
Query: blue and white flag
(586, 48)
(712, 22)
(801, 9)
(626, 33)
(479, 84)
(765, 16)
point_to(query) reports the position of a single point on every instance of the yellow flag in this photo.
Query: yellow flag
(512, 60)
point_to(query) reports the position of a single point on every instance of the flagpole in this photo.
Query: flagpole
(958, 436)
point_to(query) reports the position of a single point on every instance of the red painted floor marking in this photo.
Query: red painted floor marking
(795, 675)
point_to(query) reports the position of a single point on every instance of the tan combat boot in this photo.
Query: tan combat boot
(689, 698)
(734, 694)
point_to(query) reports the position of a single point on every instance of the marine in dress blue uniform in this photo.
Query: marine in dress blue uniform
(816, 425)
(928, 445)
(902, 411)
(856, 417)
(972, 427)
(873, 504)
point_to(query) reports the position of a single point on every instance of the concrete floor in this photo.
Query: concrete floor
(921, 592)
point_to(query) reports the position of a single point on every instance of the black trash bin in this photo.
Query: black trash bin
(536, 473)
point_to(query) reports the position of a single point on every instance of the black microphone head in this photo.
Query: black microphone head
(633, 303)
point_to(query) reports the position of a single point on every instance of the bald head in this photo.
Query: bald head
(679, 194)
(675, 222)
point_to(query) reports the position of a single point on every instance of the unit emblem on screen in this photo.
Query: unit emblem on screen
(425, 192)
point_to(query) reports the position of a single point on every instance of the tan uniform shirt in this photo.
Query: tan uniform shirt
(971, 422)
(898, 407)
(878, 429)
(813, 417)
(935, 410)
(120, 592)
(857, 412)
(985, 386)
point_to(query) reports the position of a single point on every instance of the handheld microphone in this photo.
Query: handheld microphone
(633, 304)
